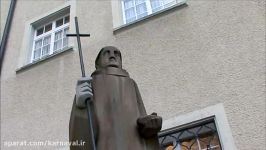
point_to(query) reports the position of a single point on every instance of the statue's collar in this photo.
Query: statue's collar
(111, 71)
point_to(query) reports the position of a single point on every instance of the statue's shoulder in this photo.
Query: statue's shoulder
(111, 71)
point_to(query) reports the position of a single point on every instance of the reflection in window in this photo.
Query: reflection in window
(200, 137)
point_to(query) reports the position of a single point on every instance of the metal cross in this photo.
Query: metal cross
(78, 35)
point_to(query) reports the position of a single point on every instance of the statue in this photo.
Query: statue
(119, 118)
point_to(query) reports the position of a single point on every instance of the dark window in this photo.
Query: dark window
(199, 136)
(39, 31)
(48, 27)
(59, 22)
(66, 19)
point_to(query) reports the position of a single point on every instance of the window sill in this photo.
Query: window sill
(37, 62)
(149, 16)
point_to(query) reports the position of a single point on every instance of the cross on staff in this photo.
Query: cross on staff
(78, 35)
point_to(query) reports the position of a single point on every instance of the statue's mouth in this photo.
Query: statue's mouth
(113, 65)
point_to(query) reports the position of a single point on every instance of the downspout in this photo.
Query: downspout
(6, 32)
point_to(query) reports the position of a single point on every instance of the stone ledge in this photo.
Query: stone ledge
(37, 62)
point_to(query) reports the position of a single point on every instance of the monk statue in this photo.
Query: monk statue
(119, 118)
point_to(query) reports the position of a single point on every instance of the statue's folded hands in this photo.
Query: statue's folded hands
(149, 125)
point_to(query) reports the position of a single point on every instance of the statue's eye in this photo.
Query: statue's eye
(107, 52)
(116, 53)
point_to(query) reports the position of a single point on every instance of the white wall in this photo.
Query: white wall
(183, 60)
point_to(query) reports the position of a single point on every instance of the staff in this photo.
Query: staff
(78, 35)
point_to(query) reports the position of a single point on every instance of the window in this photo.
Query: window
(201, 135)
(136, 9)
(50, 38)
(206, 128)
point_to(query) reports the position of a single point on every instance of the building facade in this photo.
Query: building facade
(200, 64)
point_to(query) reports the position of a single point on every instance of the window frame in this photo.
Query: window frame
(191, 125)
(220, 119)
(148, 6)
(150, 10)
(52, 38)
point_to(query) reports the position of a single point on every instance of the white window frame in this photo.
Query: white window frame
(164, 4)
(220, 119)
(52, 33)
(149, 8)
(30, 25)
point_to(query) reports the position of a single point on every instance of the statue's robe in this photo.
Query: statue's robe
(117, 105)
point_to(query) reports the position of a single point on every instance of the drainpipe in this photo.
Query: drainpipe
(6, 32)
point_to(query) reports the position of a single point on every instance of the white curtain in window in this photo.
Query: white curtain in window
(156, 5)
(37, 49)
(46, 45)
(130, 14)
(129, 4)
(141, 10)
(58, 40)
(65, 39)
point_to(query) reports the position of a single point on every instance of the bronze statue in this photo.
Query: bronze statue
(119, 118)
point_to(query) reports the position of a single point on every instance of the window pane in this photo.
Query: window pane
(57, 45)
(141, 9)
(59, 22)
(210, 142)
(140, 1)
(37, 53)
(66, 19)
(47, 40)
(156, 5)
(65, 42)
(200, 137)
(39, 31)
(46, 45)
(130, 14)
(46, 50)
(191, 143)
(58, 35)
(66, 31)
(65, 39)
(128, 3)
(48, 27)
(38, 44)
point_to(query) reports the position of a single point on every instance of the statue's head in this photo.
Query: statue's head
(108, 56)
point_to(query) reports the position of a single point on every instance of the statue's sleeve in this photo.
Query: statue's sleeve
(141, 107)
(79, 127)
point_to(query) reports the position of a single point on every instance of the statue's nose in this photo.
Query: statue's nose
(112, 55)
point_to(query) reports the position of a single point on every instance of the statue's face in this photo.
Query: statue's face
(110, 57)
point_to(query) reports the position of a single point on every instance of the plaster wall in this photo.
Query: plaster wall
(183, 60)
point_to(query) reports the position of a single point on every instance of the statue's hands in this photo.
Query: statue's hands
(149, 125)
(83, 91)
